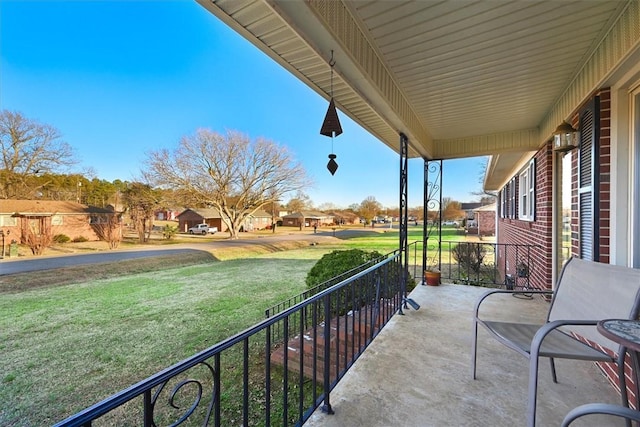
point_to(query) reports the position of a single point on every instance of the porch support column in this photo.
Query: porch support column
(404, 191)
(432, 253)
(425, 216)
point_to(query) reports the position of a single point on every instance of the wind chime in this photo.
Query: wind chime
(331, 125)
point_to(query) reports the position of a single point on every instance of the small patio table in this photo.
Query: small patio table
(626, 333)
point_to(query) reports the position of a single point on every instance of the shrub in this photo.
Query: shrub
(80, 239)
(469, 256)
(61, 238)
(336, 263)
(339, 265)
(168, 231)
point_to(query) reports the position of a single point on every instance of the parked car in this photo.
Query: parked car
(453, 223)
(203, 229)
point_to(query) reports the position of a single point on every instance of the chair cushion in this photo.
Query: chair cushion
(556, 344)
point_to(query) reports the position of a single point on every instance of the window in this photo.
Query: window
(526, 196)
(8, 221)
(56, 220)
(508, 200)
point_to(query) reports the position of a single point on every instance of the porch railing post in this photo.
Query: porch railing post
(326, 407)
(404, 268)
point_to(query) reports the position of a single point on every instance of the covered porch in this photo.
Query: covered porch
(417, 372)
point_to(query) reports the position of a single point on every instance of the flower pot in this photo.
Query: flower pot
(432, 278)
(522, 270)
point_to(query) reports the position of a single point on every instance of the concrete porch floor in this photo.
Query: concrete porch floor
(417, 372)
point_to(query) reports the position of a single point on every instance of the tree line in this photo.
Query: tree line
(229, 172)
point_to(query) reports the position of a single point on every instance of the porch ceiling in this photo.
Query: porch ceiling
(460, 78)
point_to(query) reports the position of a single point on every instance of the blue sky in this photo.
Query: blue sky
(120, 78)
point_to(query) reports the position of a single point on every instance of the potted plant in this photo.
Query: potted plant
(432, 274)
(522, 269)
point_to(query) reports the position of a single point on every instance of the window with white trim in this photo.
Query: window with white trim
(526, 192)
(508, 200)
(56, 220)
(8, 221)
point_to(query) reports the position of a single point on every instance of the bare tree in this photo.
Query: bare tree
(299, 202)
(451, 209)
(228, 172)
(369, 208)
(486, 197)
(36, 233)
(28, 148)
(142, 201)
(327, 207)
(108, 227)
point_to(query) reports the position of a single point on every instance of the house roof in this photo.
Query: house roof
(344, 214)
(308, 214)
(486, 208)
(261, 214)
(204, 212)
(47, 207)
(470, 206)
(458, 78)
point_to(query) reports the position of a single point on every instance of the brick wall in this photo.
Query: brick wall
(486, 222)
(73, 226)
(604, 160)
(537, 232)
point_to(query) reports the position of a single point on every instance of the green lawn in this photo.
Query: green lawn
(66, 347)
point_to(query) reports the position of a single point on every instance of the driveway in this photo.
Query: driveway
(16, 265)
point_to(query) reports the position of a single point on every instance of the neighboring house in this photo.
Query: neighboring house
(188, 218)
(469, 210)
(307, 219)
(259, 220)
(166, 214)
(484, 221)
(19, 217)
(344, 218)
(192, 217)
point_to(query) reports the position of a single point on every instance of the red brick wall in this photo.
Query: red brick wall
(486, 222)
(73, 226)
(187, 220)
(537, 232)
(604, 159)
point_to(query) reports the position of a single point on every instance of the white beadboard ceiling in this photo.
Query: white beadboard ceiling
(460, 78)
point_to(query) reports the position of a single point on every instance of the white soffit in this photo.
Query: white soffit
(461, 78)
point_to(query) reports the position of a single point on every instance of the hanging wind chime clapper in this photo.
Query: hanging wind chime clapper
(331, 124)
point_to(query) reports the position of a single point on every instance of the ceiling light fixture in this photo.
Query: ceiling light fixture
(565, 138)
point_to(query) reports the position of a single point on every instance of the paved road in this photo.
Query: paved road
(17, 265)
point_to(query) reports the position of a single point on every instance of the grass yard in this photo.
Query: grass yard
(66, 347)
(75, 336)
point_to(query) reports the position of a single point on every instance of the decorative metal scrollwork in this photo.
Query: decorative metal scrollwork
(431, 256)
(181, 388)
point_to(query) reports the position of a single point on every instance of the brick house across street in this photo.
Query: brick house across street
(73, 219)
(188, 218)
(307, 219)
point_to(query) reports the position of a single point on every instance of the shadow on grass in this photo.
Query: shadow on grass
(21, 282)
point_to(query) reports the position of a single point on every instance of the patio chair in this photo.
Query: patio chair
(601, 408)
(586, 293)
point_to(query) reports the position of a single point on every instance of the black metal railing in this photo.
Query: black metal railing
(277, 332)
(245, 380)
(488, 264)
